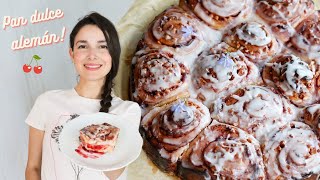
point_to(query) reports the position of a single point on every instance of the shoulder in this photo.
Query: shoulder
(53, 95)
(119, 105)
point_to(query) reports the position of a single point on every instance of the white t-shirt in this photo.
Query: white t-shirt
(51, 110)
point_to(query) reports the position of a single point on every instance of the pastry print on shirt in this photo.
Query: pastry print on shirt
(57, 130)
(55, 136)
(77, 170)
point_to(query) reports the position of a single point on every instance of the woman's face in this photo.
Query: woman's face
(90, 54)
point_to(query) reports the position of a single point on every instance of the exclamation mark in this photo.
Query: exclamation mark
(63, 34)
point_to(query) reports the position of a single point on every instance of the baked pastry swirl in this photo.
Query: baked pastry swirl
(251, 107)
(306, 41)
(254, 40)
(222, 151)
(219, 69)
(157, 76)
(311, 116)
(219, 14)
(284, 16)
(99, 138)
(292, 152)
(205, 59)
(175, 31)
(293, 78)
(169, 129)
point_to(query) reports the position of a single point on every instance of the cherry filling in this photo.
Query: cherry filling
(82, 151)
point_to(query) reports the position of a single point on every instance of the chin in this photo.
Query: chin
(94, 78)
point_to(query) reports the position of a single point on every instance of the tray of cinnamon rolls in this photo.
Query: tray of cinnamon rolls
(230, 89)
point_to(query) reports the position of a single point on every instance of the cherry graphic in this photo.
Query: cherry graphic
(27, 68)
(37, 69)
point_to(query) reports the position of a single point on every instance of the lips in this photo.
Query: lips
(92, 67)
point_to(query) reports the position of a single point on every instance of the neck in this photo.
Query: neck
(90, 89)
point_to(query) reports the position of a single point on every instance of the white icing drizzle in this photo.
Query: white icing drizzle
(223, 73)
(307, 40)
(254, 33)
(286, 14)
(95, 133)
(176, 28)
(298, 153)
(314, 108)
(183, 35)
(182, 112)
(232, 10)
(217, 72)
(173, 156)
(237, 155)
(224, 8)
(253, 108)
(257, 109)
(160, 74)
(180, 135)
(296, 72)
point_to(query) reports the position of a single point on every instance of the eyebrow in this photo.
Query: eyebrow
(84, 41)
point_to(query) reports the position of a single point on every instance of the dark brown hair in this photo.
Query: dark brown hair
(111, 35)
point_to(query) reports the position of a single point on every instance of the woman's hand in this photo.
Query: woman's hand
(113, 175)
(33, 169)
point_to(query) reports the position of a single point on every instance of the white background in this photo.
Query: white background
(18, 89)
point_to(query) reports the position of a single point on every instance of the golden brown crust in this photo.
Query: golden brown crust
(170, 128)
(219, 14)
(293, 78)
(158, 77)
(222, 152)
(291, 152)
(306, 41)
(254, 40)
(284, 16)
(99, 138)
(174, 29)
(311, 116)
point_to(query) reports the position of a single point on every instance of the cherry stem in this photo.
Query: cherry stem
(30, 61)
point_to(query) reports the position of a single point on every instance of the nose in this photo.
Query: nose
(92, 54)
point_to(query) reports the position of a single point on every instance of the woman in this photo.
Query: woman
(95, 51)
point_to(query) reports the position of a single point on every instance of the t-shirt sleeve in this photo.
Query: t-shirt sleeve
(36, 117)
(134, 114)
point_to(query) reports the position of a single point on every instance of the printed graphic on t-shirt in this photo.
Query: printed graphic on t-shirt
(55, 136)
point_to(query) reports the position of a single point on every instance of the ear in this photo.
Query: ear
(71, 54)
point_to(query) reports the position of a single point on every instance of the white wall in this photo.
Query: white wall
(18, 89)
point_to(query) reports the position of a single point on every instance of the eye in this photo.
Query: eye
(81, 46)
(103, 46)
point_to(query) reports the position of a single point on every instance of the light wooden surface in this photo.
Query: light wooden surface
(130, 29)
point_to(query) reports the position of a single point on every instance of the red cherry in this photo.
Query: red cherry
(37, 69)
(27, 68)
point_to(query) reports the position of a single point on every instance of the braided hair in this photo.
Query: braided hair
(112, 39)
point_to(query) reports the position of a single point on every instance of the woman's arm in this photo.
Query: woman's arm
(113, 175)
(33, 169)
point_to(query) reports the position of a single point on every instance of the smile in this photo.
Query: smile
(92, 67)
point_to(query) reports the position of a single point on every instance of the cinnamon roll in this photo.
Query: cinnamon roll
(306, 41)
(254, 40)
(311, 116)
(169, 129)
(251, 107)
(222, 151)
(284, 16)
(176, 31)
(157, 77)
(219, 14)
(293, 78)
(291, 152)
(219, 69)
